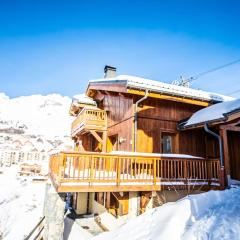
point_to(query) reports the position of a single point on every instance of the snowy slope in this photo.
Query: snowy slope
(36, 114)
(208, 216)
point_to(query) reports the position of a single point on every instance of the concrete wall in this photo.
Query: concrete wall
(54, 206)
(82, 199)
(133, 204)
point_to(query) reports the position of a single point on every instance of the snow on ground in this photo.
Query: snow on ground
(21, 204)
(208, 216)
(72, 230)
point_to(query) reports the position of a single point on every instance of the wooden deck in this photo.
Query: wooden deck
(98, 172)
(89, 119)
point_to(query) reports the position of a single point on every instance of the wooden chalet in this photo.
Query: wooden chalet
(132, 139)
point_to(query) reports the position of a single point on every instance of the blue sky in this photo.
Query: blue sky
(57, 46)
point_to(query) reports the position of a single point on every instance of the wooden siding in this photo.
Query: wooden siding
(156, 117)
(198, 142)
(120, 119)
(234, 154)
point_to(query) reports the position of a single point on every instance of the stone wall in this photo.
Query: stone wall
(54, 206)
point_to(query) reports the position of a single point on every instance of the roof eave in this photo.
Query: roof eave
(201, 124)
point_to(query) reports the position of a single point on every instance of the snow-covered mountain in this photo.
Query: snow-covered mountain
(36, 115)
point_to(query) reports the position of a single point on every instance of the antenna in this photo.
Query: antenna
(182, 82)
(186, 82)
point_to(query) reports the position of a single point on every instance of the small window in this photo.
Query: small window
(166, 143)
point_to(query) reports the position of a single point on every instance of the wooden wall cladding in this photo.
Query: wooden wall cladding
(155, 117)
(234, 154)
(120, 119)
(118, 107)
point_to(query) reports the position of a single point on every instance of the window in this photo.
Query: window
(166, 143)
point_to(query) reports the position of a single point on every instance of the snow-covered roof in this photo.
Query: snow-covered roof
(156, 86)
(215, 112)
(82, 98)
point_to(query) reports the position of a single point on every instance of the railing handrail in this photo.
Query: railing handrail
(95, 167)
(90, 110)
(138, 155)
(88, 115)
(34, 229)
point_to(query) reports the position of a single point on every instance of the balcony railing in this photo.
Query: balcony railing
(98, 172)
(89, 119)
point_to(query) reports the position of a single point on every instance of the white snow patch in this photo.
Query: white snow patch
(21, 204)
(73, 231)
(82, 98)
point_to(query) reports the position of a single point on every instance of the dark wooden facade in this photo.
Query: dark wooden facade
(156, 118)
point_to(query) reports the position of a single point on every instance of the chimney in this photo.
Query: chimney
(109, 72)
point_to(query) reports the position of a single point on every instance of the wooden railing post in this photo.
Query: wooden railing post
(222, 179)
(185, 169)
(154, 171)
(209, 173)
(118, 171)
(91, 168)
(61, 163)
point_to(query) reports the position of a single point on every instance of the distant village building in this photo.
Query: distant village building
(9, 157)
(15, 149)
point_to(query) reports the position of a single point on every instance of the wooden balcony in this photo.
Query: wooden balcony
(98, 172)
(89, 119)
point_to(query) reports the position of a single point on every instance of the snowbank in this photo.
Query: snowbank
(211, 215)
(73, 231)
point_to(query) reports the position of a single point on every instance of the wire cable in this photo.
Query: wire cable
(231, 93)
(195, 77)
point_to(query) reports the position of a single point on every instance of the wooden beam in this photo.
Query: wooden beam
(230, 128)
(171, 98)
(112, 87)
(223, 134)
(98, 138)
(104, 142)
(159, 187)
(234, 116)
(107, 204)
